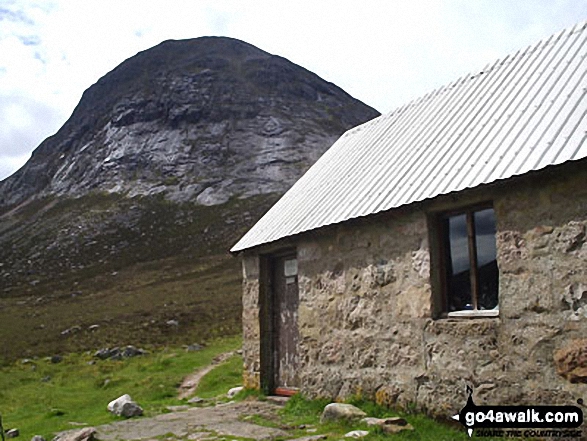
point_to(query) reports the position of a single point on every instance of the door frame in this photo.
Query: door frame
(268, 329)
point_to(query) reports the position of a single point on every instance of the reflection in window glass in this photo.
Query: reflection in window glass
(471, 265)
(486, 258)
(459, 273)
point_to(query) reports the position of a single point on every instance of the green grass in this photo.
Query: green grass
(302, 411)
(41, 398)
(218, 381)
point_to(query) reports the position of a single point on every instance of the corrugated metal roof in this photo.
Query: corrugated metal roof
(522, 113)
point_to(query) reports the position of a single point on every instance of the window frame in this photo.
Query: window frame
(442, 245)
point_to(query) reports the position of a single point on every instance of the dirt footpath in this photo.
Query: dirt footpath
(190, 383)
(197, 423)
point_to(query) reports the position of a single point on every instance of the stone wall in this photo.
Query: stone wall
(366, 305)
(251, 324)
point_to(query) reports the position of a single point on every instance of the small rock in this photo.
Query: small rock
(37, 438)
(105, 353)
(172, 323)
(125, 406)
(177, 408)
(131, 351)
(357, 434)
(312, 438)
(46, 379)
(341, 411)
(382, 421)
(93, 327)
(394, 428)
(71, 330)
(194, 348)
(370, 421)
(389, 425)
(119, 354)
(396, 420)
(198, 436)
(196, 400)
(12, 433)
(235, 390)
(280, 401)
(87, 434)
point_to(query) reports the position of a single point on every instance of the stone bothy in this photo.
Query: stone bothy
(440, 246)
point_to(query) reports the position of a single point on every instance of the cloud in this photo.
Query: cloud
(30, 40)
(384, 53)
(10, 164)
(15, 14)
(26, 122)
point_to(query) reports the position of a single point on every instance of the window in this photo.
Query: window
(469, 265)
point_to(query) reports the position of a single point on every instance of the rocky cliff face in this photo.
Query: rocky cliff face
(202, 119)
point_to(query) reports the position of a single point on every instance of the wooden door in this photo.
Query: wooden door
(285, 322)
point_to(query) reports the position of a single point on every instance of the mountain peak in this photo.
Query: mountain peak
(202, 119)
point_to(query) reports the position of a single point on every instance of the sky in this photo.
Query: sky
(383, 52)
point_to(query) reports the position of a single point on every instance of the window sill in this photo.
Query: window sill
(474, 314)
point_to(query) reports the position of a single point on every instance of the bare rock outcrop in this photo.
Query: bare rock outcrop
(200, 120)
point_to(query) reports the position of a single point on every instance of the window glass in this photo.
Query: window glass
(459, 273)
(471, 273)
(486, 258)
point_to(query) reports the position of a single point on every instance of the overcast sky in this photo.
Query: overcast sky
(383, 52)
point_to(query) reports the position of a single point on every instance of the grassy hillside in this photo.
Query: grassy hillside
(144, 270)
(41, 398)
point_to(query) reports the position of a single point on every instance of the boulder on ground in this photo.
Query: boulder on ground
(341, 411)
(394, 428)
(235, 390)
(86, 434)
(194, 347)
(382, 421)
(357, 434)
(118, 353)
(130, 351)
(12, 433)
(124, 406)
(389, 425)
